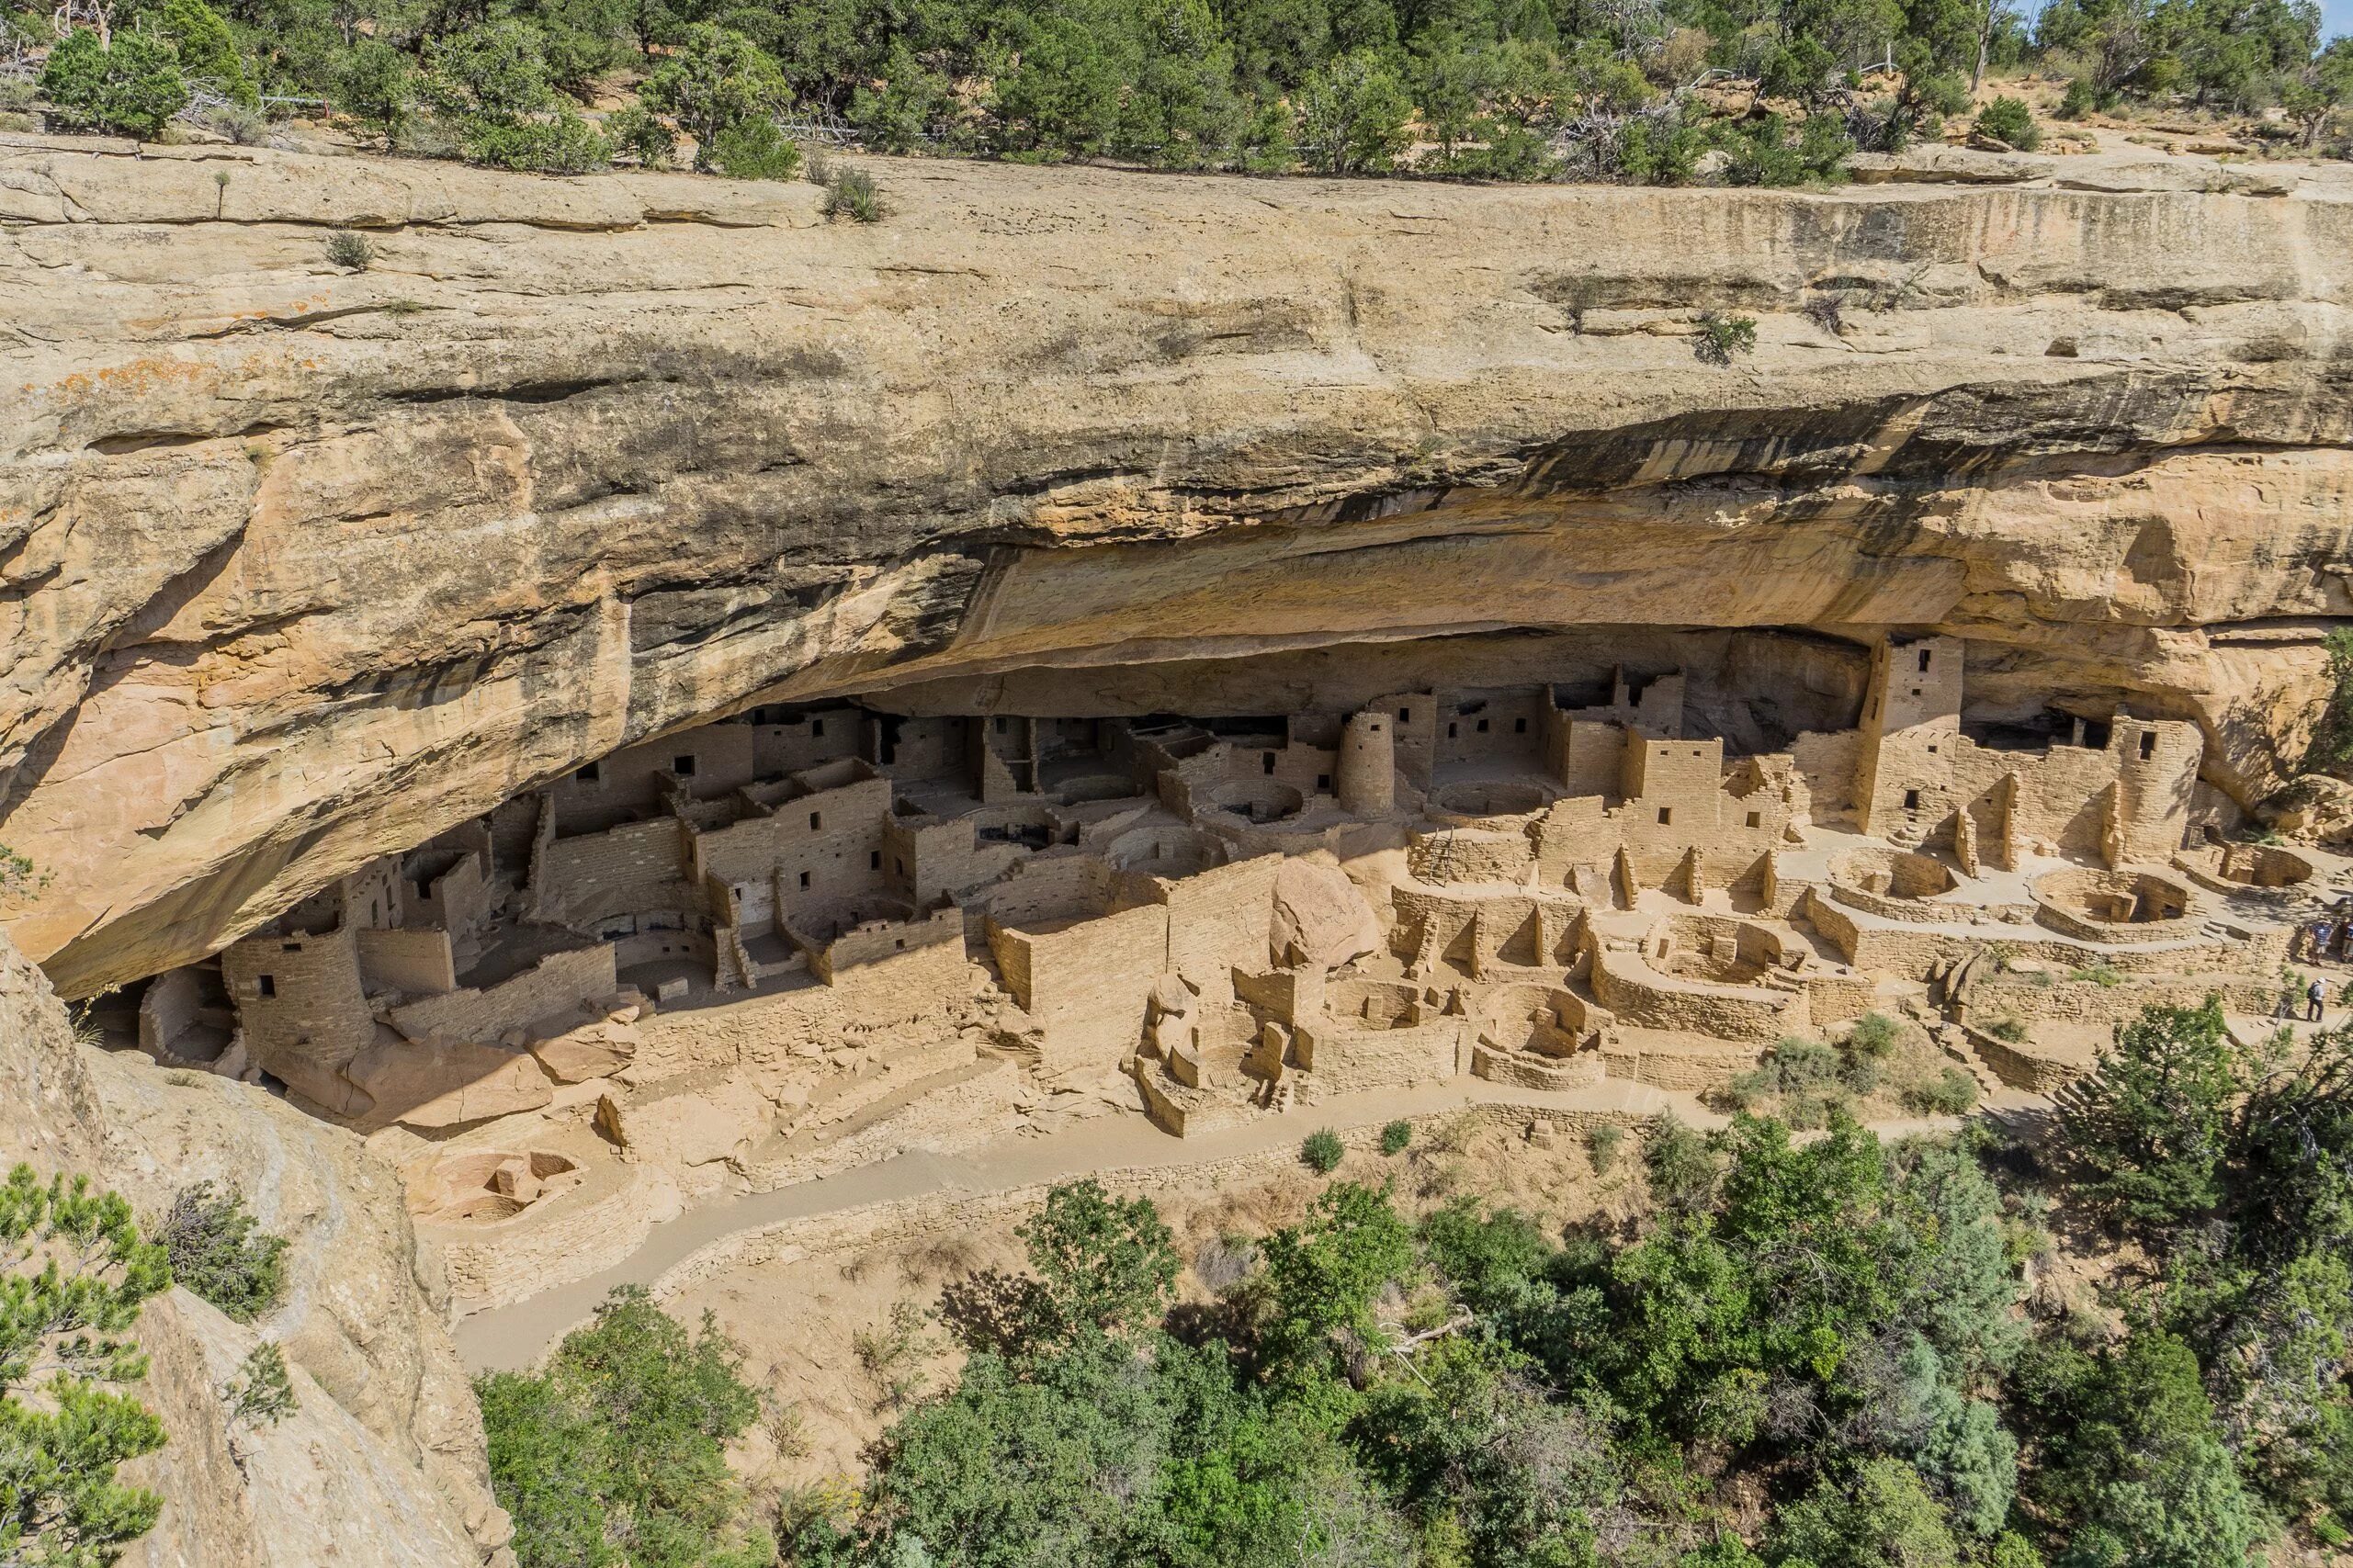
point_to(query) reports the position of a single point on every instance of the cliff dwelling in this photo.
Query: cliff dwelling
(810, 934)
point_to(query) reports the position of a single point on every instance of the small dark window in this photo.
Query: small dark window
(1452, 730)
(817, 821)
(267, 984)
(1519, 726)
(903, 941)
(1269, 761)
(289, 947)
(1756, 818)
(900, 866)
(874, 861)
(1375, 728)
(1323, 781)
(1911, 800)
(816, 727)
(588, 774)
(1915, 690)
(375, 912)
(804, 879)
(1924, 661)
(1000, 723)
(682, 766)
(1931, 747)
(1405, 715)
(1666, 816)
(1482, 726)
(2148, 744)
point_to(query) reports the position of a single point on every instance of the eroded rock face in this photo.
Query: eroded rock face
(300, 566)
(383, 1462)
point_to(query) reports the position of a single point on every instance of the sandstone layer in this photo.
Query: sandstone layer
(382, 1463)
(301, 566)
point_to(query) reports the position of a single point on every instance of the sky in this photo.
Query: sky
(2336, 17)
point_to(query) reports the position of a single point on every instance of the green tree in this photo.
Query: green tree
(1323, 1276)
(2148, 1125)
(1105, 1263)
(76, 1273)
(134, 86)
(2131, 1459)
(1353, 115)
(1881, 1518)
(221, 1252)
(206, 51)
(714, 81)
(616, 1453)
(375, 86)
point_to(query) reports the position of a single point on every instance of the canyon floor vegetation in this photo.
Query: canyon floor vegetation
(2115, 1336)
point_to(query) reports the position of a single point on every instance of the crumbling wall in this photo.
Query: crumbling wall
(558, 984)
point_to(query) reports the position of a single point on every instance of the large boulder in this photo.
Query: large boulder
(1319, 917)
(440, 1083)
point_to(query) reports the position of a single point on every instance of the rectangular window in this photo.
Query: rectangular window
(1482, 726)
(817, 821)
(1000, 723)
(1269, 761)
(1666, 816)
(1452, 730)
(874, 861)
(1405, 715)
(266, 984)
(1911, 800)
(804, 879)
(289, 947)
(1924, 661)
(588, 774)
(1323, 782)
(2148, 744)
(1519, 726)
(1756, 818)
(817, 728)
(682, 766)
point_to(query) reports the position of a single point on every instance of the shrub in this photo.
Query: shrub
(2332, 742)
(1322, 1151)
(852, 194)
(616, 1452)
(1396, 1136)
(133, 87)
(2009, 1030)
(220, 1252)
(260, 1394)
(1722, 338)
(643, 136)
(245, 125)
(2079, 99)
(1681, 1168)
(1951, 1092)
(755, 150)
(1602, 1145)
(1875, 1035)
(375, 85)
(2009, 121)
(349, 251)
(1828, 311)
(73, 1275)
(566, 144)
(717, 84)
(205, 50)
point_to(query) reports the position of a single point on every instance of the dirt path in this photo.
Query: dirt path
(516, 1335)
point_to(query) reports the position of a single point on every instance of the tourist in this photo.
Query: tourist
(2312, 994)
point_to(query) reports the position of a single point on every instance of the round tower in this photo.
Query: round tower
(1368, 763)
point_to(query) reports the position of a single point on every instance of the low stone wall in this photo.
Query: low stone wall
(557, 983)
(1527, 1070)
(1645, 999)
(577, 1234)
(1346, 1060)
(1694, 1068)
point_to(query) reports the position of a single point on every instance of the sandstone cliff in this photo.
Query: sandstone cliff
(299, 566)
(383, 1462)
